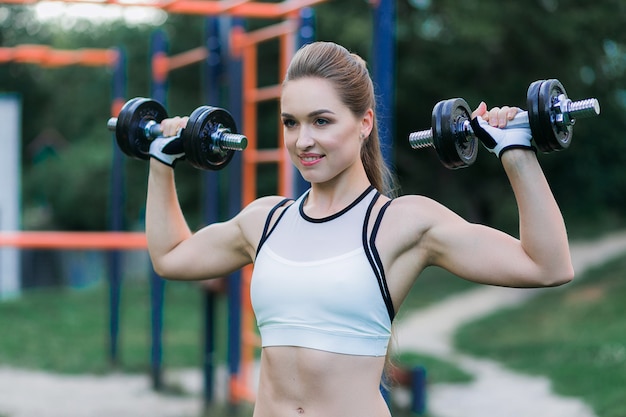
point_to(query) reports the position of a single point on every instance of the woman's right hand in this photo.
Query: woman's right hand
(168, 148)
(173, 125)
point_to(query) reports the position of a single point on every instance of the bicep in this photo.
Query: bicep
(212, 252)
(220, 248)
(479, 253)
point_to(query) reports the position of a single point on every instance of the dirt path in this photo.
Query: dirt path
(495, 392)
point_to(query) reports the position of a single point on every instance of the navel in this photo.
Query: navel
(300, 410)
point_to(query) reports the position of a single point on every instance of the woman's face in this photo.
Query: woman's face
(322, 135)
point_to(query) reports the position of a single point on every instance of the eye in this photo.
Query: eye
(321, 122)
(289, 123)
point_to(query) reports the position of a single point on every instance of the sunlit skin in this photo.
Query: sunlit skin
(324, 140)
(323, 137)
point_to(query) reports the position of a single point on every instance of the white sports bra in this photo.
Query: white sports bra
(319, 283)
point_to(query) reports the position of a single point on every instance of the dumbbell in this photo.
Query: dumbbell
(210, 138)
(550, 117)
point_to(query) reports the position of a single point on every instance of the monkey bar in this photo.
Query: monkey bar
(239, 8)
(75, 240)
(243, 48)
(47, 57)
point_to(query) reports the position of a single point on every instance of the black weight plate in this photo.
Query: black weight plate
(536, 127)
(541, 98)
(122, 125)
(454, 147)
(200, 148)
(130, 128)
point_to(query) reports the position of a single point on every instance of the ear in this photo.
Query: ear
(367, 123)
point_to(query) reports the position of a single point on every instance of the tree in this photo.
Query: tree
(488, 50)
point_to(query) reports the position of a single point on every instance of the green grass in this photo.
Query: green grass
(437, 371)
(575, 335)
(66, 331)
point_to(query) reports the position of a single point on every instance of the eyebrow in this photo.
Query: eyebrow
(310, 115)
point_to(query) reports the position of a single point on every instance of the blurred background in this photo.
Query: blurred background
(486, 50)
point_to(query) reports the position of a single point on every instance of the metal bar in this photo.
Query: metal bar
(268, 33)
(265, 93)
(187, 58)
(74, 240)
(46, 56)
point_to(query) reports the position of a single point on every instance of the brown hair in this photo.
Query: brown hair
(349, 75)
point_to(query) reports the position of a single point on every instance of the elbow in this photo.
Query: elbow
(560, 277)
(159, 271)
(160, 268)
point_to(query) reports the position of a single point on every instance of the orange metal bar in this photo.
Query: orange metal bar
(187, 58)
(74, 240)
(60, 59)
(263, 156)
(249, 122)
(46, 56)
(246, 46)
(116, 106)
(286, 169)
(30, 54)
(160, 67)
(229, 4)
(6, 54)
(267, 33)
(266, 93)
(207, 8)
(250, 339)
(97, 57)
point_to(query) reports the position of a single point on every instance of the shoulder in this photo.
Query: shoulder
(260, 208)
(410, 217)
(409, 207)
(252, 217)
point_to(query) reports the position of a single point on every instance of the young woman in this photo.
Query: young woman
(333, 267)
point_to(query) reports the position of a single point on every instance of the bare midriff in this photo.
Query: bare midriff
(297, 381)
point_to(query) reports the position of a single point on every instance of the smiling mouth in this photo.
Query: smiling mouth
(310, 158)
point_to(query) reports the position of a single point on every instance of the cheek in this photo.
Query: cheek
(289, 139)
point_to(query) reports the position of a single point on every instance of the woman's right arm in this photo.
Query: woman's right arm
(176, 252)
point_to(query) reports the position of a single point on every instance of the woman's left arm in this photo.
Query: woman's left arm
(540, 257)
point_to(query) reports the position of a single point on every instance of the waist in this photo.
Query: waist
(319, 383)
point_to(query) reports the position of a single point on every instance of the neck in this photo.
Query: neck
(325, 200)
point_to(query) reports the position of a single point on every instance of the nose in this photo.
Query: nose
(305, 139)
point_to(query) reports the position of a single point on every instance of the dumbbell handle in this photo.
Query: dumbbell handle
(569, 112)
(223, 138)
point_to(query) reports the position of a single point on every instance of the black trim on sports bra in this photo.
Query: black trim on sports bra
(373, 256)
(268, 220)
(333, 216)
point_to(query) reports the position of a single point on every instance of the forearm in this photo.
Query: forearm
(543, 235)
(165, 223)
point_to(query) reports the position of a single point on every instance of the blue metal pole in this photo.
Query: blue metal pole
(117, 216)
(418, 390)
(210, 200)
(384, 72)
(157, 284)
(306, 34)
(235, 81)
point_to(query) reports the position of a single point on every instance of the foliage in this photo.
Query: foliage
(575, 336)
(488, 50)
